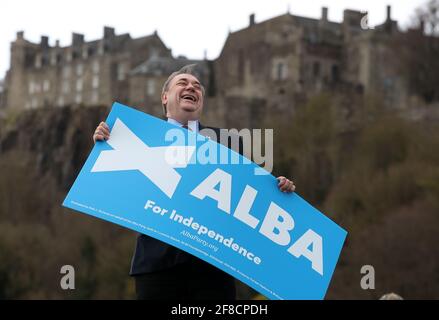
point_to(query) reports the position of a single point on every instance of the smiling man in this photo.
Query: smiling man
(162, 271)
(183, 97)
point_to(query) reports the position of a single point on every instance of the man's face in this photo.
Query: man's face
(184, 98)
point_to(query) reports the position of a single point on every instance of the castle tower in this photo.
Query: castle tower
(16, 74)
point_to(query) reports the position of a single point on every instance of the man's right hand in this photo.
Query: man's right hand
(102, 132)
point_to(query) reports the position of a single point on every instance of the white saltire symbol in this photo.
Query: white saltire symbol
(131, 153)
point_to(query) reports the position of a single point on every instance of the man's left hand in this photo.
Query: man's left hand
(286, 185)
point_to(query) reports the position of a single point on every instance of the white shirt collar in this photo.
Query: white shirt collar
(192, 125)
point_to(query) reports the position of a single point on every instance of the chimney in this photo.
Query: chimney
(44, 42)
(422, 26)
(324, 14)
(252, 19)
(77, 39)
(108, 32)
(20, 35)
(389, 11)
(57, 43)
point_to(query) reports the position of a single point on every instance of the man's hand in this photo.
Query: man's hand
(102, 132)
(286, 185)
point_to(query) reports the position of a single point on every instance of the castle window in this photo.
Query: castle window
(46, 85)
(101, 48)
(121, 72)
(150, 87)
(84, 53)
(66, 72)
(65, 86)
(79, 69)
(316, 69)
(44, 60)
(95, 82)
(78, 98)
(312, 38)
(79, 84)
(281, 71)
(38, 61)
(280, 68)
(53, 60)
(60, 101)
(95, 66)
(31, 87)
(388, 82)
(335, 73)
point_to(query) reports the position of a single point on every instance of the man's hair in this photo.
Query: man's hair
(187, 69)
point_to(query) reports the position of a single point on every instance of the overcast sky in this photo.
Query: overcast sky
(188, 27)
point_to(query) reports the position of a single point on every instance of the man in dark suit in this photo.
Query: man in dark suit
(162, 271)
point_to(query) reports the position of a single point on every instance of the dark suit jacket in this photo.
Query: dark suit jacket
(153, 255)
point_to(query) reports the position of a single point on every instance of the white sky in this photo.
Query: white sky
(188, 27)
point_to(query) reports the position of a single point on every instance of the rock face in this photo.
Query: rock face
(41, 153)
(58, 140)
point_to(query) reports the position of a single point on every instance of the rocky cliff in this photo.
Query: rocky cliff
(58, 140)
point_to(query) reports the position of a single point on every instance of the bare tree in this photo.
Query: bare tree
(418, 51)
(427, 18)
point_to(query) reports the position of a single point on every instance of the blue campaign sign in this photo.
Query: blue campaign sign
(168, 183)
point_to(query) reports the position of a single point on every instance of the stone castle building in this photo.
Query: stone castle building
(274, 64)
(114, 68)
(84, 73)
(288, 57)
